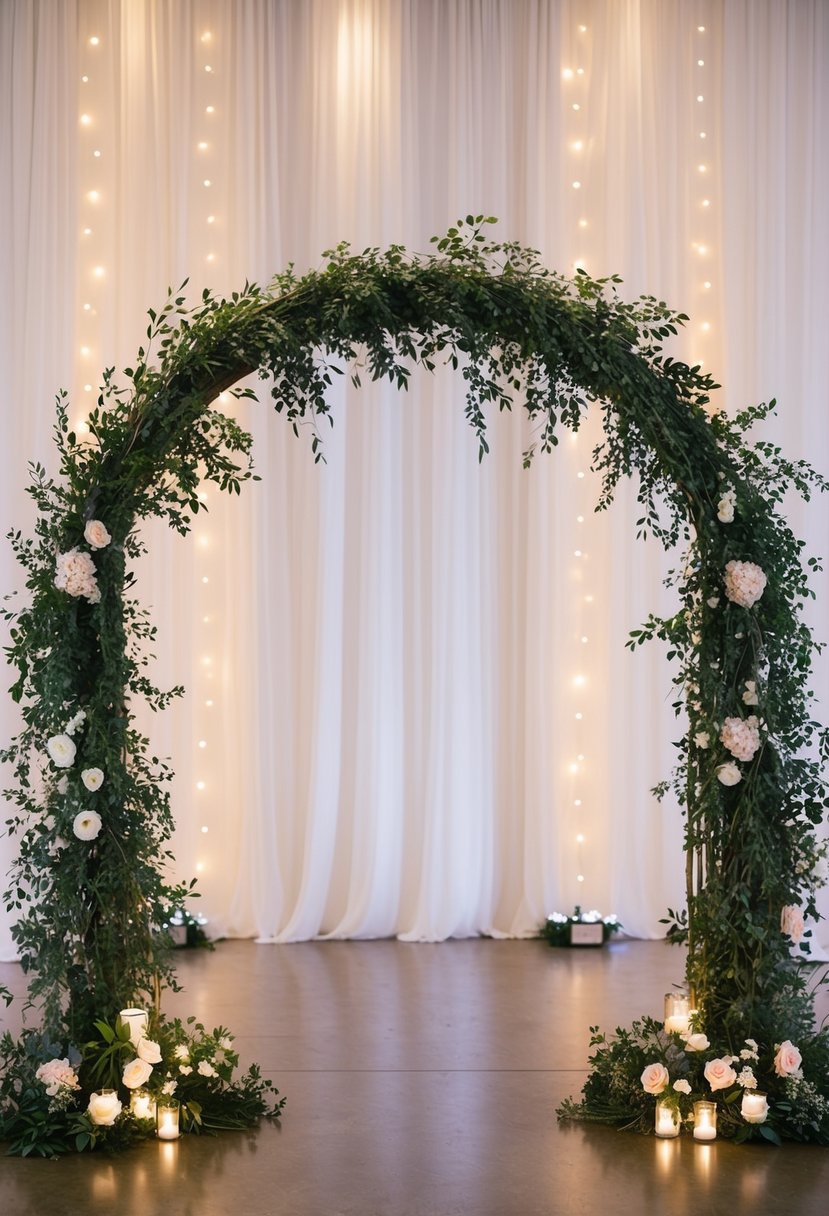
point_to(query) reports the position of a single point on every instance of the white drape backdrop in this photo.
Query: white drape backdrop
(410, 710)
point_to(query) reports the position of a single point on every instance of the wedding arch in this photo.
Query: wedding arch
(91, 811)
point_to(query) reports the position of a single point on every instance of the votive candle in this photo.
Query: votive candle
(705, 1120)
(677, 1012)
(667, 1119)
(167, 1119)
(142, 1104)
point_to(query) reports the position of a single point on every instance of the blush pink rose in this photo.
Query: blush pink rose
(788, 1060)
(719, 1074)
(655, 1078)
(96, 535)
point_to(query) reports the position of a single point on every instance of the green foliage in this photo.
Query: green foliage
(90, 907)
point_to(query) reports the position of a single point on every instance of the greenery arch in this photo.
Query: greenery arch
(91, 812)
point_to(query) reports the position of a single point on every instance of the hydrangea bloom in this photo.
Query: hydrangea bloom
(75, 574)
(745, 582)
(741, 736)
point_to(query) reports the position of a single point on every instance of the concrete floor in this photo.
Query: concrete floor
(421, 1081)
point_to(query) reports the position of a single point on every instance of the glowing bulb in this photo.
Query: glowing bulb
(84, 80)
(701, 29)
(202, 743)
(87, 232)
(576, 105)
(588, 599)
(85, 351)
(577, 802)
(579, 475)
(211, 219)
(205, 579)
(579, 717)
(86, 120)
(206, 36)
(93, 196)
(99, 272)
(584, 639)
(582, 223)
(579, 71)
(87, 388)
(706, 202)
(707, 284)
(578, 681)
(577, 553)
(567, 74)
(700, 63)
(579, 839)
(211, 257)
(579, 756)
(579, 519)
(702, 135)
(87, 307)
(577, 185)
(202, 145)
(209, 704)
(702, 250)
(207, 68)
(582, 29)
(94, 40)
(207, 182)
(199, 867)
(702, 168)
(83, 428)
(579, 877)
(706, 325)
(202, 496)
(210, 109)
(205, 828)
(700, 97)
(199, 785)
(577, 145)
(96, 152)
(205, 620)
(574, 768)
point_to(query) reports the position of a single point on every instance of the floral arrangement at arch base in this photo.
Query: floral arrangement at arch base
(53, 1103)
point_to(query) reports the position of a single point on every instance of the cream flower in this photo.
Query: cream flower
(149, 1051)
(702, 739)
(185, 1070)
(56, 1075)
(96, 535)
(75, 574)
(62, 784)
(719, 1074)
(729, 774)
(93, 778)
(182, 1052)
(741, 736)
(104, 1108)
(745, 582)
(206, 1069)
(695, 1042)
(87, 825)
(136, 1073)
(62, 751)
(682, 1086)
(655, 1078)
(169, 1087)
(725, 507)
(713, 601)
(752, 1110)
(746, 1078)
(791, 922)
(750, 695)
(788, 1060)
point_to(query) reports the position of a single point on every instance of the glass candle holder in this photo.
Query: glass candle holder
(705, 1120)
(137, 1020)
(666, 1119)
(167, 1119)
(142, 1104)
(678, 1012)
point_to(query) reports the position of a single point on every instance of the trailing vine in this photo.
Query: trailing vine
(90, 809)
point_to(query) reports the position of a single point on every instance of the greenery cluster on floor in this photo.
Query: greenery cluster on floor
(90, 808)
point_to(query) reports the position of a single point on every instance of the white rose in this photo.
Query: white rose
(719, 1074)
(169, 1087)
(682, 1086)
(701, 739)
(788, 1060)
(149, 1051)
(136, 1073)
(696, 1042)
(104, 1108)
(182, 1052)
(729, 774)
(206, 1069)
(752, 1110)
(725, 507)
(185, 1070)
(96, 535)
(62, 751)
(93, 778)
(750, 695)
(87, 825)
(655, 1078)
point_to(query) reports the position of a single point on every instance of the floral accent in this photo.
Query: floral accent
(182, 1052)
(87, 825)
(729, 774)
(791, 922)
(76, 575)
(746, 1078)
(682, 1086)
(702, 739)
(725, 507)
(56, 1075)
(749, 1108)
(695, 1041)
(93, 778)
(169, 1087)
(96, 535)
(713, 601)
(741, 736)
(719, 1074)
(76, 722)
(655, 1079)
(750, 695)
(745, 583)
(148, 1051)
(185, 1070)
(104, 1109)
(62, 751)
(136, 1073)
(788, 1060)
(206, 1069)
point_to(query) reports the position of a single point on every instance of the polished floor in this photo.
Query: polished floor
(421, 1081)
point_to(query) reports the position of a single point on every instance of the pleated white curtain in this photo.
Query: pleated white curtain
(410, 710)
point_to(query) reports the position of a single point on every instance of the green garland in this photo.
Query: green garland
(91, 812)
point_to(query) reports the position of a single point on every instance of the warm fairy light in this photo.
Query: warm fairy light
(579, 519)
(211, 219)
(577, 553)
(202, 743)
(706, 325)
(702, 135)
(580, 475)
(588, 599)
(209, 704)
(577, 185)
(87, 388)
(84, 80)
(701, 29)
(206, 36)
(86, 352)
(577, 802)
(207, 182)
(574, 768)
(579, 878)
(99, 272)
(94, 40)
(205, 579)
(584, 639)
(211, 257)
(579, 681)
(579, 839)
(577, 145)
(700, 63)
(199, 785)
(87, 308)
(702, 250)
(576, 105)
(706, 202)
(199, 867)
(702, 168)
(205, 828)
(87, 232)
(579, 71)
(567, 74)
(86, 120)
(210, 109)
(579, 717)
(208, 68)
(700, 97)
(707, 284)
(93, 196)
(83, 428)
(582, 222)
(202, 496)
(202, 145)
(97, 152)
(582, 29)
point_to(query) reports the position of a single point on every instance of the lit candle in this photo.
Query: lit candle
(667, 1119)
(754, 1107)
(137, 1020)
(142, 1104)
(677, 1012)
(167, 1120)
(705, 1120)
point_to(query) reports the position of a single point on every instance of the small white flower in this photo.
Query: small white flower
(87, 825)
(682, 1086)
(61, 750)
(185, 1070)
(713, 601)
(149, 1051)
(226, 1043)
(93, 778)
(76, 723)
(725, 507)
(96, 535)
(729, 774)
(169, 1087)
(182, 1052)
(746, 1078)
(206, 1069)
(695, 1041)
(701, 739)
(62, 784)
(750, 695)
